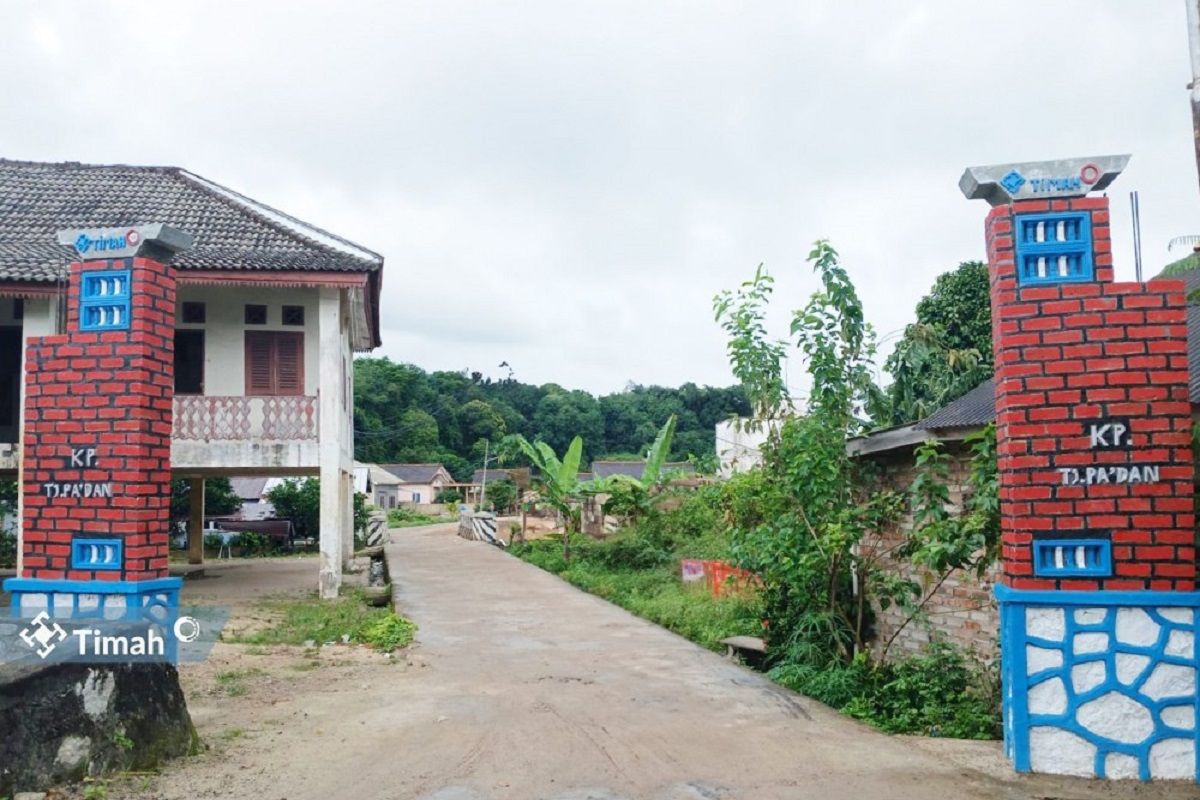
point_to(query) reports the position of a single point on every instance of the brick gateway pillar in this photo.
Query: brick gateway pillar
(96, 471)
(1093, 421)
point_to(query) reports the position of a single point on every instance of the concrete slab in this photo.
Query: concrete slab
(533, 689)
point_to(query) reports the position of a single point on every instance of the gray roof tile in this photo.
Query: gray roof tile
(634, 469)
(414, 473)
(231, 231)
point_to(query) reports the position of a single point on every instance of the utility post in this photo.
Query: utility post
(483, 487)
(486, 459)
(1193, 23)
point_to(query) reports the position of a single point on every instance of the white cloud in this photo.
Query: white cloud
(565, 186)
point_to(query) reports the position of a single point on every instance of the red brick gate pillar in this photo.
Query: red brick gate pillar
(1093, 421)
(97, 441)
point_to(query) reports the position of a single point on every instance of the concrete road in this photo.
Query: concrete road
(528, 689)
(520, 687)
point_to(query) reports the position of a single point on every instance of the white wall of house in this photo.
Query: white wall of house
(739, 443)
(225, 331)
(418, 492)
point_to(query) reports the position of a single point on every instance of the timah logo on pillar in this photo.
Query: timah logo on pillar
(103, 243)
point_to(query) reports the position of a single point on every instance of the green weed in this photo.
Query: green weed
(312, 619)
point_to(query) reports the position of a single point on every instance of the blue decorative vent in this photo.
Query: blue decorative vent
(1054, 248)
(1072, 557)
(104, 300)
(96, 554)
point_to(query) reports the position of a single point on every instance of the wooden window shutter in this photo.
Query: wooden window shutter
(260, 363)
(289, 363)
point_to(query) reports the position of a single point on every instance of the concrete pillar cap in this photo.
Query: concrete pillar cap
(155, 240)
(1001, 184)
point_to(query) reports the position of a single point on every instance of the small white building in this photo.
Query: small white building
(269, 313)
(740, 441)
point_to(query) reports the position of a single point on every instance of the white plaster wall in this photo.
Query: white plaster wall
(225, 331)
(739, 443)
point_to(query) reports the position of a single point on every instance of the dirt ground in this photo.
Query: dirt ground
(246, 700)
(520, 687)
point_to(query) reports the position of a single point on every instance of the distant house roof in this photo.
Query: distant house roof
(975, 408)
(249, 488)
(634, 469)
(492, 475)
(415, 473)
(231, 231)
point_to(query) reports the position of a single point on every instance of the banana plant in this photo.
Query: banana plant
(560, 478)
(659, 451)
(632, 496)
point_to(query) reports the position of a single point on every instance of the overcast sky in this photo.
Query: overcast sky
(564, 186)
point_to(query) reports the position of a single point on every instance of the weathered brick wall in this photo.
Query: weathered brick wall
(962, 611)
(109, 393)
(1070, 355)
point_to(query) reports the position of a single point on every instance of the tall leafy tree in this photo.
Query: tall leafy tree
(299, 501)
(219, 498)
(403, 413)
(945, 353)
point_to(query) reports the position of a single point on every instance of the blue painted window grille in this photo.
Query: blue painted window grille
(1072, 557)
(104, 300)
(97, 554)
(1054, 248)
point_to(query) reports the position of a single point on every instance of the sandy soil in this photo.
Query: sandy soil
(522, 688)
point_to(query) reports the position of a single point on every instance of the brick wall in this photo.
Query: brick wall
(110, 393)
(963, 610)
(1071, 354)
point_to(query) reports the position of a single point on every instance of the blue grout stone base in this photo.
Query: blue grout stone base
(1101, 684)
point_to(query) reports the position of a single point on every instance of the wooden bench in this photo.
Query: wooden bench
(737, 645)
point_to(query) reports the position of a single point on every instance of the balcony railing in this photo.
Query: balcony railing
(263, 419)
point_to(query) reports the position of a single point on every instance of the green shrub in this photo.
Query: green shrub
(388, 633)
(402, 517)
(938, 693)
(250, 543)
(313, 619)
(634, 573)
(8, 549)
(628, 551)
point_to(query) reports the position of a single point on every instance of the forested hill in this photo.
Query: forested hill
(404, 414)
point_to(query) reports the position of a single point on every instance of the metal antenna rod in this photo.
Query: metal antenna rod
(1136, 219)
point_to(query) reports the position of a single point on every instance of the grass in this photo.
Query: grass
(306, 619)
(406, 518)
(232, 682)
(654, 593)
(939, 693)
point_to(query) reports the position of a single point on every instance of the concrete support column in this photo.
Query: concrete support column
(347, 500)
(196, 521)
(329, 400)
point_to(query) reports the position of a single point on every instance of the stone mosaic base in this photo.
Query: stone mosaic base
(1101, 684)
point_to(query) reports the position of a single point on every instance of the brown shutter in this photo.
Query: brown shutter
(289, 363)
(259, 363)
